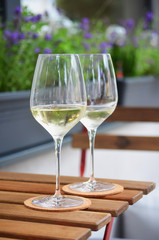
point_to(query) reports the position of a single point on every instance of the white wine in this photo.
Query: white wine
(59, 119)
(96, 114)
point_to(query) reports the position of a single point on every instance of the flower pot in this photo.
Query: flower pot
(139, 91)
(18, 129)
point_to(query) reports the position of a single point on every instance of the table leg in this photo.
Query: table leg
(83, 162)
(108, 230)
(83, 156)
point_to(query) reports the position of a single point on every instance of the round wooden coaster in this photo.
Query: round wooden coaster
(117, 189)
(86, 203)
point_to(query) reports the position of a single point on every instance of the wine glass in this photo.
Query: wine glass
(101, 90)
(58, 102)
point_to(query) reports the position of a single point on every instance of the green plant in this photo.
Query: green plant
(24, 38)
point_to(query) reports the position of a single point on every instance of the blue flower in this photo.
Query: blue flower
(21, 36)
(88, 35)
(7, 33)
(104, 46)
(18, 11)
(149, 17)
(85, 24)
(37, 50)
(129, 24)
(47, 50)
(33, 19)
(35, 35)
(48, 37)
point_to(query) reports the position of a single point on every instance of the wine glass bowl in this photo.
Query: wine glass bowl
(58, 102)
(102, 97)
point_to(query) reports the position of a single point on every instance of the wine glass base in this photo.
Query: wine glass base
(50, 203)
(94, 186)
(97, 190)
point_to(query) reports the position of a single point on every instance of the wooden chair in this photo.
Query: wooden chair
(107, 141)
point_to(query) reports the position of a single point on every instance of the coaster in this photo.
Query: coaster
(117, 189)
(86, 203)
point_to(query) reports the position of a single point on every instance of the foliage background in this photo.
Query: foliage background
(134, 53)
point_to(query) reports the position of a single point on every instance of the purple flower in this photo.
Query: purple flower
(103, 47)
(48, 37)
(21, 36)
(149, 17)
(35, 35)
(47, 50)
(60, 11)
(18, 11)
(14, 36)
(2, 25)
(37, 50)
(33, 19)
(88, 35)
(86, 46)
(85, 20)
(27, 19)
(38, 17)
(129, 24)
(7, 33)
(85, 24)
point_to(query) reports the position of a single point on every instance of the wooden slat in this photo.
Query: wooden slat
(132, 196)
(27, 187)
(138, 114)
(92, 220)
(4, 238)
(145, 187)
(30, 230)
(106, 141)
(113, 207)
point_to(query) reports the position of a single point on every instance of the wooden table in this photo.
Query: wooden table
(20, 222)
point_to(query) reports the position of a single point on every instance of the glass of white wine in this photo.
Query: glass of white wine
(58, 102)
(102, 97)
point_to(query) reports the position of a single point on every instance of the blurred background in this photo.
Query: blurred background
(129, 31)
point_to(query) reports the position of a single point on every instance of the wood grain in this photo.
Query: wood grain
(4, 238)
(145, 187)
(104, 206)
(115, 208)
(138, 114)
(107, 141)
(30, 230)
(132, 196)
(87, 219)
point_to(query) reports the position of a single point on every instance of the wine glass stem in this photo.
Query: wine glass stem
(92, 134)
(58, 144)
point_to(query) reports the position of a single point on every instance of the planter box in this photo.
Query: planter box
(18, 129)
(139, 91)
